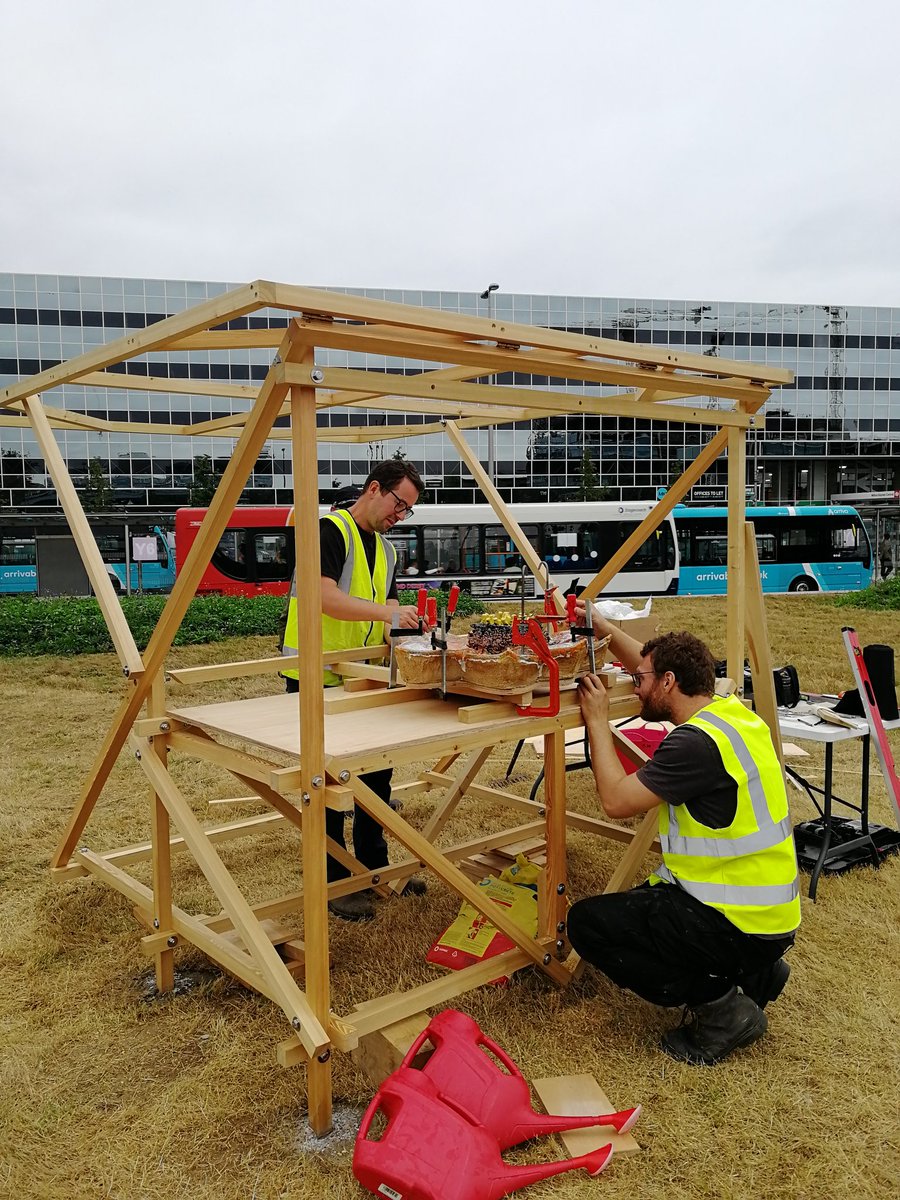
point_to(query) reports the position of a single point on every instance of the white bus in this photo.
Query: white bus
(465, 544)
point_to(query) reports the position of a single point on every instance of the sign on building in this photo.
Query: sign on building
(709, 494)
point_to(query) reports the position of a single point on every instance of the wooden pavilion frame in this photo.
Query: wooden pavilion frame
(653, 382)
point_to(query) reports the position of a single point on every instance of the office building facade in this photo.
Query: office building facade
(835, 431)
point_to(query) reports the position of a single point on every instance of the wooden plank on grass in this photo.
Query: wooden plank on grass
(582, 1096)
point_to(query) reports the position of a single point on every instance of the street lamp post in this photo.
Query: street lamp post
(488, 294)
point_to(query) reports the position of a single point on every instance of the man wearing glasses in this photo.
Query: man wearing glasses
(710, 926)
(359, 599)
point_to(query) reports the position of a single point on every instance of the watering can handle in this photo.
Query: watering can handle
(496, 1050)
(414, 1048)
(368, 1115)
(500, 1053)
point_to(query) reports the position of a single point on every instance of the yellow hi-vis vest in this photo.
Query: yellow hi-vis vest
(748, 871)
(356, 580)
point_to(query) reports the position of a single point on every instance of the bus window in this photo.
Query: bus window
(440, 549)
(656, 554)
(500, 553)
(469, 551)
(847, 545)
(571, 546)
(711, 551)
(273, 553)
(806, 540)
(405, 544)
(16, 552)
(766, 548)
(230, 555)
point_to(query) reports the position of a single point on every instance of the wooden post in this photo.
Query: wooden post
(555, 798)
(737, 509)
(161, 850)
(758, 643)
(312, 732)
(122, 639)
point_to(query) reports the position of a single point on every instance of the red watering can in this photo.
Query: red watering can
(432, 1149)
(465, 1075)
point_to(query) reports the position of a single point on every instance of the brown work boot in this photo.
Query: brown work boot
(719, 1027)
(358, 906)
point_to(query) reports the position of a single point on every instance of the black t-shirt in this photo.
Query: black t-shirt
(687, 769)
(334, 555)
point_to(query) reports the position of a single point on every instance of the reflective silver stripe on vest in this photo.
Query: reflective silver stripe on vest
(390, 554)
(749, 843)
(347, 573)
(744, 757)
(763, 895)
(286, 650)
(767, 834)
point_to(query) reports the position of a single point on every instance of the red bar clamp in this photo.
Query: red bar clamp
(528, 633)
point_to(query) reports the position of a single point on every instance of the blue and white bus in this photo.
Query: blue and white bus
(19, 560)
(815, 548)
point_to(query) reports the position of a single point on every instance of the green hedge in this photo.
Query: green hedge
(466, 605)
(29, 625)
(885, 595)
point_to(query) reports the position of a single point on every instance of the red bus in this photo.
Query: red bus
(255, 554)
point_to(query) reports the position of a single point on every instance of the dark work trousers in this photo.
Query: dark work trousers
(369, 845)
(666, 946)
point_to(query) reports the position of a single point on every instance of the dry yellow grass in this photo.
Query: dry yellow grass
(108, 1093)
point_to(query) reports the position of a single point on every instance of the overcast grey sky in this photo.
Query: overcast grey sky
(701, 149)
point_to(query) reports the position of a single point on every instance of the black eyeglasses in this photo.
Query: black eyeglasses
(400, 506)
(636, 676)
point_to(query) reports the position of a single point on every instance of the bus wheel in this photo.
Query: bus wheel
(804, 583)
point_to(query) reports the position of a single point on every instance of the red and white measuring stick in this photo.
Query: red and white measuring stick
(873, 716)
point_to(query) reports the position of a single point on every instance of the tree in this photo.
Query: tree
(589, 485)
(206, 480)
(98, 495)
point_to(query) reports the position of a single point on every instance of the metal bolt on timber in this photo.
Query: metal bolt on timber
(164, 726)
(561, 927)
(316, 375)
(156, 922)
(560, 889)
(137, 754)
(305, 798)
(344, 776)
(317, 781)
(172, 941)
(324, 1056)
(546, 960)
(376, 879)
(560, 946)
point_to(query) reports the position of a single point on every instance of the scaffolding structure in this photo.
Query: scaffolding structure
(335, 735)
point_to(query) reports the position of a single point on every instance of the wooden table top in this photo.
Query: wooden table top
(374, 737)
